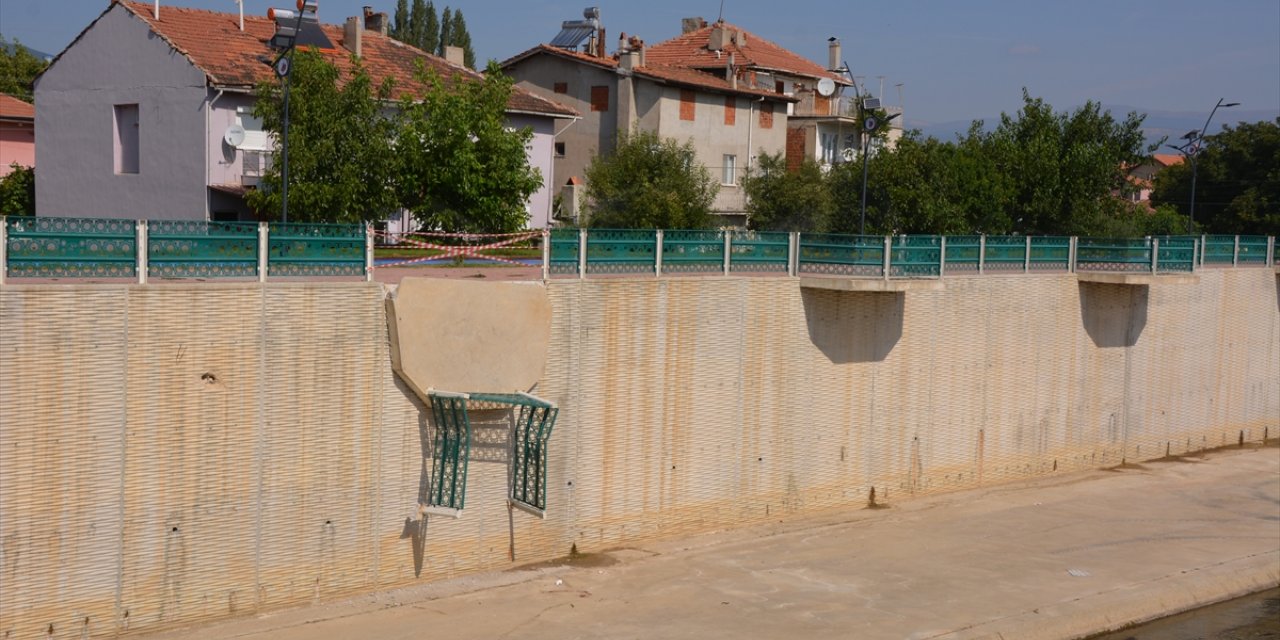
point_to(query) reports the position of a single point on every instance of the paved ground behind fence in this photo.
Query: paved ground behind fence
(1058, 557)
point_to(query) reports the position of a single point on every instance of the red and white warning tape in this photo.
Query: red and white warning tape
(452, 251)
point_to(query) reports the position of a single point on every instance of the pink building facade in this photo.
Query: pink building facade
(17, 134)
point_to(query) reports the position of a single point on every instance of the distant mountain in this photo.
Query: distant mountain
(9, 48)
(1158, 124)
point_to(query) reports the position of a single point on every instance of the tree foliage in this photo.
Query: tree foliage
(400, 26)
(341, 160)
(18, 69)
(1237, 182)
(649, 183)
(18, 191)
(462, 168)
(782, 200)
(421, 27)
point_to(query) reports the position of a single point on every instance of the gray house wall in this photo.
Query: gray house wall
(119, 61)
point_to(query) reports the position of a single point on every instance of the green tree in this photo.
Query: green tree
(400, 27)
(446, 31)
(463, 169)
(342, 164)
(431, 30)
(417, 24)
(649, 182)
(18, 69)
(782, 200)
(462, 39)
(1237, 182)
(18, 192)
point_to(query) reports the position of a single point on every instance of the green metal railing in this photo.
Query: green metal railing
(199, 249)
(837, 254)
(450, 452)
(685, 251)
(759, 251)
(622, 251)
(49, 247)
(37, 247)
(564, 251)
(534, 421)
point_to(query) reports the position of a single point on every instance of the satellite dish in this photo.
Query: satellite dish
(234, 136)
(826, 87)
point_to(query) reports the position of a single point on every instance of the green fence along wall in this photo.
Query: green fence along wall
(760, 251)
(685, 251)
(70, 247)
(835, 254)
(621, 251)
(199, 249)
(315, 249)
(564, 251)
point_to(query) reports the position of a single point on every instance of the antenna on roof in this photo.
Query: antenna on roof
(720, 18)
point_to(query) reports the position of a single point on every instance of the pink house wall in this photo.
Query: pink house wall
(17, 144)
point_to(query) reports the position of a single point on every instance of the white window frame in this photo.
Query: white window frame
(729, 170)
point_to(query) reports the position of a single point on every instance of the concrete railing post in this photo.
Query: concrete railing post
(728, 249)
(264, 245)
(1072, 248)
(368, 252)
(657, 253)
(942, 256)
(1271, 251)
(142, 251)
(793, 254)
(1235, 253)
(1204, 244)
(888, 253)
(1026, 257)
(1155, 255)
(546, 254)
(4, 247)
(982, 254)
(582, 253)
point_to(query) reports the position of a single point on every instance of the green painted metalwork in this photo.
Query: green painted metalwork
(564, 251)
(1177, 254)
(1113, 254)
(1004, 253)
(199, 249)
(759, 251)
(621, 251)
(963, 253)
(315, 249)
(686, 250)
(838, 254)
(915, 256)
(534, 421)
(1219, 249)
(451, 451)
(48, 247)
(1253, 249)
(1050, 252)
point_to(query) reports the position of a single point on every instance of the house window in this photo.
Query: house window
(828, 143)
(730, 110)
(779, 87)
(730, 176)
(559, 149)
(126, 138)
(688, 102)
(599, 98)
(766, 115)
(562, 87)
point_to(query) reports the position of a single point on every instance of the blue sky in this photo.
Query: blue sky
(956, 61)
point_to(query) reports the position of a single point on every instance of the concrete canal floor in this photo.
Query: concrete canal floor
(1060, 557)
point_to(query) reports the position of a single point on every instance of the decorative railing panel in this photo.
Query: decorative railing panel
(963, 253)
(1253, 250)
(45, 247)
(621, 251)
(1113, 254)
(1219, 249)
(199, 249)
(915, 257)
(1005, 253)
(1176, 254)
(692, 250)
(315, 249)
(1050, 253)
(564, 251)
(836, 254)
(759, 251)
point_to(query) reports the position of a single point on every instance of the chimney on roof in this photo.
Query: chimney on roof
(689, 25)
(375, 21)
(600, 52)
(352, 35)
(155, 13)
(731, 74)
(455, 55)
(833, 53)
(717, 40)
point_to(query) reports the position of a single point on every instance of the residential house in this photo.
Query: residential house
(17, 134)
(135, 112)
(821, 123)
(1142, 176)
(625, 92)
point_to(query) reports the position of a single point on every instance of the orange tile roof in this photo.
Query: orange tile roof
(230, 57)
(12, 108)
(690, 50)
(1168, 159)
(663, 73)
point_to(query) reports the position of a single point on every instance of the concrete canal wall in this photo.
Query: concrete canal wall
(177, 453)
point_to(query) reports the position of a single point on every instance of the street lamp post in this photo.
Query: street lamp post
(1191, 149)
